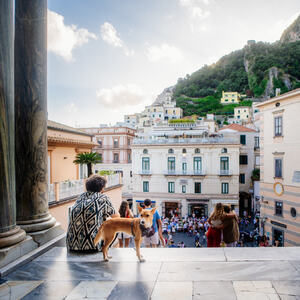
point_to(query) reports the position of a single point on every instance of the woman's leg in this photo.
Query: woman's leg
(127, 242)
(209, 236)
(217, 238)
(120, 243)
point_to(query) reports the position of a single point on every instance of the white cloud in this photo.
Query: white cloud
(63, 39)
(110, 35)
(120, 96)
(194, 7)
(164, 52)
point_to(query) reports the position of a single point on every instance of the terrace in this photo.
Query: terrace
(188, 273)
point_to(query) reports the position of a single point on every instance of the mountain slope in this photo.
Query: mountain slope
(256, 70)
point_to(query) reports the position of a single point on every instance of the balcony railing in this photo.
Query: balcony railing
(185, 172)
(145, 172)
(185, 141)
(72, 188)
(225, 173)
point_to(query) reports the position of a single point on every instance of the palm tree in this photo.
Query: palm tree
(89, 159)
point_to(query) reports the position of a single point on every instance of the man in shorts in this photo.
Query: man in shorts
(153, 240)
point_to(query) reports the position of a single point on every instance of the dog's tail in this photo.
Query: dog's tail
(98, 237)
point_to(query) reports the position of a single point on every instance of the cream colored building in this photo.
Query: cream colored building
(64, 143)
(280, 168)
(230, 98)
(249, 159)
(243, 114)
(188, 171)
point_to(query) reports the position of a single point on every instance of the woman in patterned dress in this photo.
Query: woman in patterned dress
(87, 214)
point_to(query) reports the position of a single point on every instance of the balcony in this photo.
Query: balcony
(168, 273)
(144, 172)
(184, 173)
(225, 173)
(61, 191)
(163, 141)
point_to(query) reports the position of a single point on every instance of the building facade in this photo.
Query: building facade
(114, 146)
(249, 157)
(230, 98)
(243, 114)
(186, 174)
(64, 143)
(280, 168)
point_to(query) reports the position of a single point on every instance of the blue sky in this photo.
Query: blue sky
(107, 58)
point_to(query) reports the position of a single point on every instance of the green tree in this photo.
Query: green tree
(89, 159)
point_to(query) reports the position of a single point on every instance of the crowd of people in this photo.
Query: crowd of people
(221, 228)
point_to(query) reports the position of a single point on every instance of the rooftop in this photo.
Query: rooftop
(66, 128)
(237, 127)
(168, 273)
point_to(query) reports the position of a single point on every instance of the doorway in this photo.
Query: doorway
(172, 208)
(277, 237)
(199, 210)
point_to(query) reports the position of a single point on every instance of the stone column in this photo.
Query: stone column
(31, 115)
(10, 234)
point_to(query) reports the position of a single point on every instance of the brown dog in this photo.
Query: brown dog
(137, 227)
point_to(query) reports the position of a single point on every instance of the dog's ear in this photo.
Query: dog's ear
(140, 209)
(153, 210)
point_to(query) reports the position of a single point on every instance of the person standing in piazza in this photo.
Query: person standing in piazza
(153, 240)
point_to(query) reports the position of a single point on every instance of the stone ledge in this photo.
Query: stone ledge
(27, 256)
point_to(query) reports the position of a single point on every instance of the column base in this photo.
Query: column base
(37, 225)
(44, 236)
(12, 237)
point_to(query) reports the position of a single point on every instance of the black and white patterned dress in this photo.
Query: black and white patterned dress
(86, 217)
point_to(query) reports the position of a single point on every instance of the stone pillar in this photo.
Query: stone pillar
(10, 234)
(31, 115)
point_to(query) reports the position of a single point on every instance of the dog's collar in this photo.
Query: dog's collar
(143, 229)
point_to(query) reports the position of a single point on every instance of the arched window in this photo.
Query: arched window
(145, 151)
(197, 150)
(183, 150)
(170, 151)
(224, 150)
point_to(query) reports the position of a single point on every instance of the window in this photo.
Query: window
(184, 189)
(256, 142)
(171, 187)
(145, 186)
(224, 163)
(278, 126)
(243, 139)
(225, 188)
(278, 167)
(154, 109)
(100, 143)
(171, 163)
(197, 187)
(128, 142)
(145, 151)
(116, 157)
(224, 150)
(278, 208)
(116, 143)
(197, 150)
(145, 163)
(130, 173)
(129, 157)
(100, 156)
(184, 168)
(242, 178)
(170, 151)
(183, 150)
(243, 159)
(197, 164)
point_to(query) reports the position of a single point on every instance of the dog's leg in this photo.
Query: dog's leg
(138, 248)
(107, 242)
